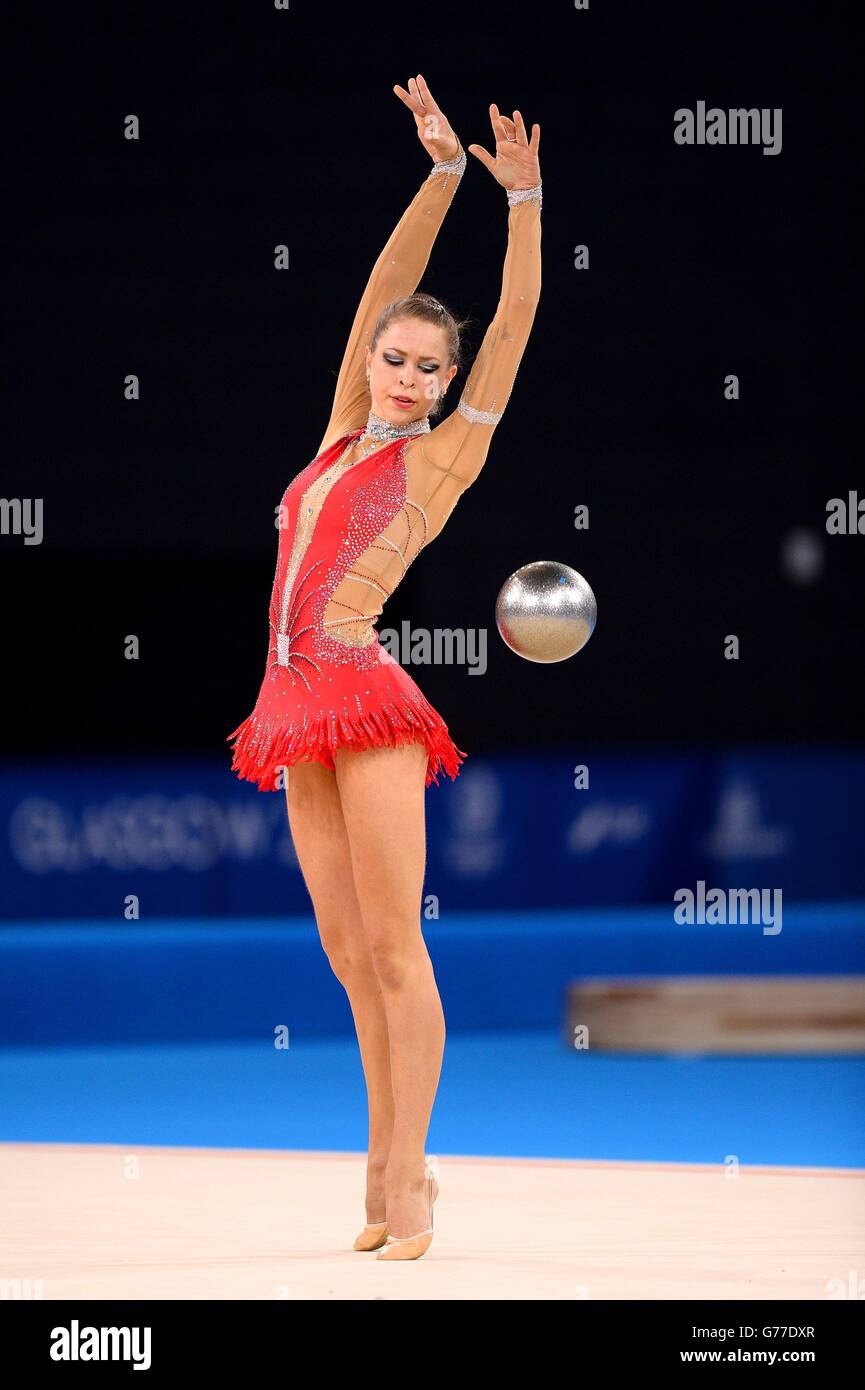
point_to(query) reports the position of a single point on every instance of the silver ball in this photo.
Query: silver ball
(546, 611)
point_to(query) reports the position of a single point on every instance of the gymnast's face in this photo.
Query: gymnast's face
(408, 370)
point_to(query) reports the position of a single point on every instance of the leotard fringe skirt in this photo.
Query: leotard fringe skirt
(343, 708)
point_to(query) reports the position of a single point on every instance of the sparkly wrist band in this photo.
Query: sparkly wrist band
(451, 166)
(520, 195)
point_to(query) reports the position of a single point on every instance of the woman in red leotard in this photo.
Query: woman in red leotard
(338, 722)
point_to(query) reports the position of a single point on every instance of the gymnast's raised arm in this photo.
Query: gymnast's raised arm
(398, 270)
(458, 446)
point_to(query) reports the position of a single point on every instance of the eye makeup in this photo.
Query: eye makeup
(397, 362)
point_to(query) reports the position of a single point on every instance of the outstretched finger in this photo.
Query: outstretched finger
(417, 92)
(480, 153)
(536, 137)
(496, 122)
(409, 101)
(429, 99)
(522, 138)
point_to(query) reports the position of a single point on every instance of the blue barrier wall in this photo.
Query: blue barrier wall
(190, 839)
(191, 981)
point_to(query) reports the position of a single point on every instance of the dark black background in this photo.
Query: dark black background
(261, 127)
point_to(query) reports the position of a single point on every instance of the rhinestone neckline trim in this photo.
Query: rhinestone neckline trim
(383, 429)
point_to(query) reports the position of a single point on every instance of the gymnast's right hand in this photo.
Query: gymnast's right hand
(433, 128)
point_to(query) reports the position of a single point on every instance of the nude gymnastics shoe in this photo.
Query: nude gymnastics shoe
(372, 1236)
(412, 1247)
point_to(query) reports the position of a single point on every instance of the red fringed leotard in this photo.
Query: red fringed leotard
(349, 526)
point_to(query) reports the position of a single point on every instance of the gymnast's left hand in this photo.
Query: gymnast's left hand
(516, 163)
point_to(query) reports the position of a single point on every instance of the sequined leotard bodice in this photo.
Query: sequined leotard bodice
(349, 528)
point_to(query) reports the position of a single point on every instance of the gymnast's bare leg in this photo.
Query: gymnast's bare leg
(382, 795)
(321, 842)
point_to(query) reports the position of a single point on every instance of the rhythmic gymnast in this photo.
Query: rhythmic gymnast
(358, 740)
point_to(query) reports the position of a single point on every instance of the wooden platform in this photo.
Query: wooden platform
(104, 1221)
(799, 1014)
